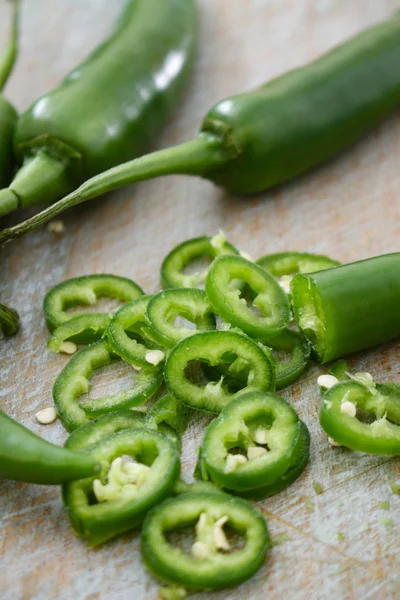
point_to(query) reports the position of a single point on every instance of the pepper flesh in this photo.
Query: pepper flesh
(141, 67)
(291, 263)
(349, 308)
(260, 139)
(27, 457)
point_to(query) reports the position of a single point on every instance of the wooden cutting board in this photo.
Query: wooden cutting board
(341, 544)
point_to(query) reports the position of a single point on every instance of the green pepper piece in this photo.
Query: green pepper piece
(74, 381)
(291, 263)
(112, 422)
(269, 299)
(129, 321)
(344, 403)
(255, 441)
(85, 328)
(257, 140)
(27, 457)
(165, 307)
(209, 512)
(183, 255)
(9, 320)
(349, 308)
(85, 291)
(211, 347)
(118, 99)
(125, 490)
(288, 371)
(170, 411)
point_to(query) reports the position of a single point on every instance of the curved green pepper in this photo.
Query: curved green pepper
(74, 381)
(349, 308)
(118, 99)
(291, 263)
(253, 444)
(270, 299)
(88, 327)
(260, 139)
(165, 307)
(168, 411)
(213, 563)
(139, 470)
(288, 370)
(24, 456)
(213, 348)
(183, 255)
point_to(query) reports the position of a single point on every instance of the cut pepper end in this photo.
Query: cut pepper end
(309, 314)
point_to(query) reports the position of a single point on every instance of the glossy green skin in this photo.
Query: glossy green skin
(110, 108)
(306, 116)
(224, 569)
(24, 456)
(289, 263)
(357, 305)
(8, 120)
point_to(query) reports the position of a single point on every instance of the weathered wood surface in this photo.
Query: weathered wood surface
(340, 544)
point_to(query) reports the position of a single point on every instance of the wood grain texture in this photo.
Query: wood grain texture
(348, 209)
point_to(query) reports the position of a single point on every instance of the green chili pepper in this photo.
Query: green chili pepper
(181, 257)
(213, 562)
(212, 348)
(85, 291)
(288, 371)
(9, 320)
(74, 381)
(118, 99)
(112, 422)
(260, 139)
(269, 299)
(83, 328)
(169, 411)
(349, 308)
(291, 263)
(253, 444)
(139, 470)
(130, 320)
(24, 456)
(345, 404)
(165, 307)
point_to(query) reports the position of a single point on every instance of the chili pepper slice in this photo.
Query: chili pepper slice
(142, 67)
(112, 422)
(165, 307)
(291, 263)
(9, 320)
(212, 347)
(74, 381)
(228, 303)
(27, 457)
(349, 308)
(128, 323)
(89, 327)
(255, 441)
(85, 291)
(213, 562)
(346, 403)
(139, 470)
(172, 268)
(168, 410)
(257, 140)
(290, 370)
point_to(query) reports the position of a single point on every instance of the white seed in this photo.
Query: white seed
(68, 348)
(260, 436)
(255, 452)
(47, 415)
(327, 381)
(220, 540)
(200, 550)
(233, 461)
(154, 357)
(285, 282)
(246, 255)
(333, 443)
(56, 226)
(348, 408)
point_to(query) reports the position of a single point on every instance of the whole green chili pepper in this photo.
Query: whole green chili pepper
(109, 109)
(349, 308)
(260, 139)
(24, 456)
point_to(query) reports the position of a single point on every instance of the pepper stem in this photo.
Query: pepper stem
(8, 59)
(9, 320)
(195, 157)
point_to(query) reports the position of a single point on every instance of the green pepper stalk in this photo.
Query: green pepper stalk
(9, 319)
(349, 308)
(254, 141)
(107, 110)
(24, 456)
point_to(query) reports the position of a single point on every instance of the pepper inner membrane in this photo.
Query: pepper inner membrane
(231, 372)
